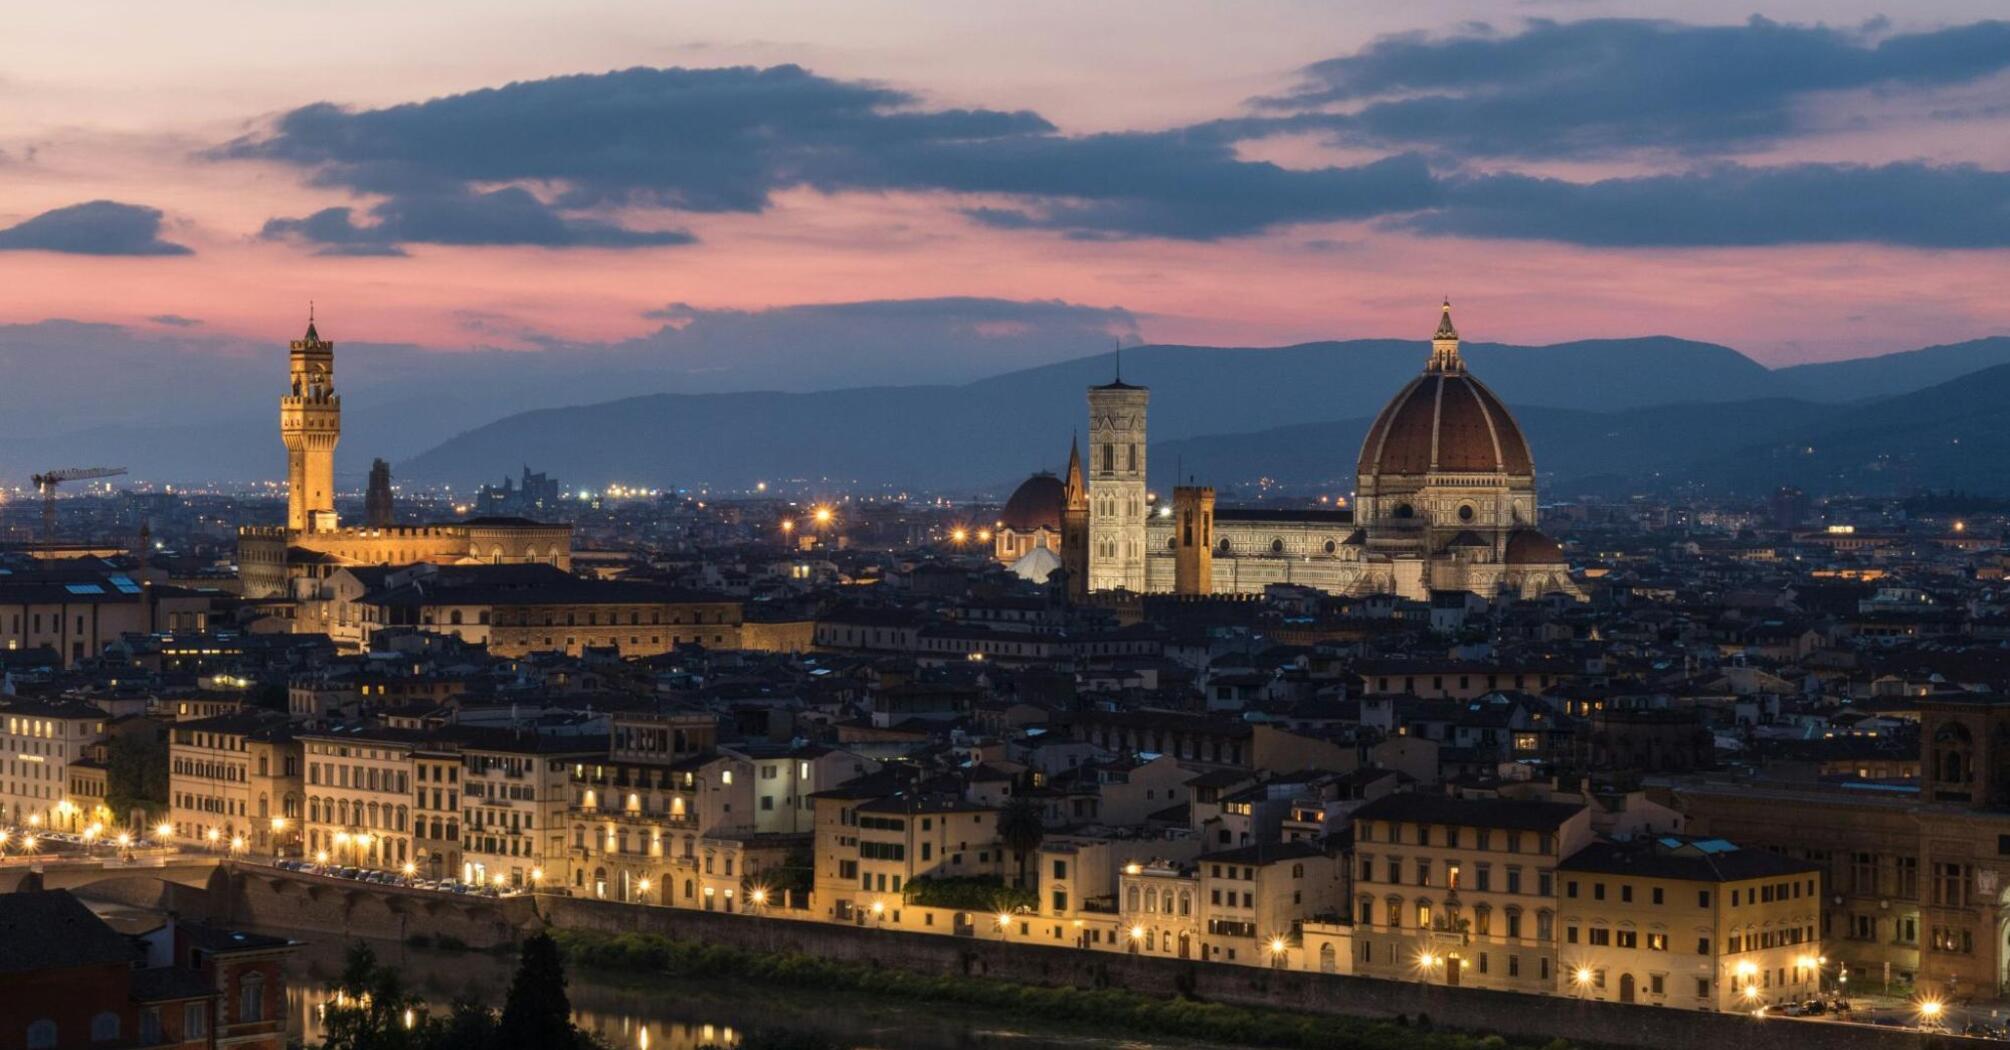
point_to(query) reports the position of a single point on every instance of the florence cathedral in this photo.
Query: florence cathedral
(1444, 500)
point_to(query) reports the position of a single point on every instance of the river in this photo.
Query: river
(692, 1014)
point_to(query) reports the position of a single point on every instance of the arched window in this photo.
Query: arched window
(1131, 899)
(105, 1027)
(1185, 902)
(251, 998)
(42, 1035)
(454, 618)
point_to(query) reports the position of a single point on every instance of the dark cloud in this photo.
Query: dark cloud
(1602, 85)
(727, 139)
(544, 162)
(92, 228)
(174, 320)
(1904, 204)
(510, 215)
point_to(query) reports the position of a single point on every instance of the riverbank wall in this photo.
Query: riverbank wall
(1469, 1009)
(272, 899)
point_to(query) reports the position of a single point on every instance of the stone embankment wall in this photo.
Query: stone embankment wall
(267, 898)
(1608, 1024)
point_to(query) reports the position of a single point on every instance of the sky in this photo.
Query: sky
(749, 188)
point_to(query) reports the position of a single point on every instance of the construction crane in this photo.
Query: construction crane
(46, 482)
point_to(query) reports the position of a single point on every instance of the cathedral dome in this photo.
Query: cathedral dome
(1036, 504)
(1529, 547)
(1445, 422)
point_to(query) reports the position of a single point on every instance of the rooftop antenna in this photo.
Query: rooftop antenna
(1120, 359)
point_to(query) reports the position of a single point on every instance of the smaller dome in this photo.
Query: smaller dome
(1037, 564)
(1529, 547)
(1036, 504)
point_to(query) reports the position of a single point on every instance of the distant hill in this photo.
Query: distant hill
(1890, 374)
(1951, 436)
(1009, 425)
(1573, 449)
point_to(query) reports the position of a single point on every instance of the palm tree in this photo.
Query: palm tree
(1021, 828)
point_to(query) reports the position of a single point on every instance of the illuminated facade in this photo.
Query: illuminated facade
(1445, 500)
(292, 560)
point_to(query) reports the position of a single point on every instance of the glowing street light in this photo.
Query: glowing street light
(958, 536)
(822, 515)
(410, 869)
(1581, 978)
(643, 885)
(1278, 947)
(237, 843)
(320, 856)
(1930, 1010)
(125, 840)
(758, 895)
(1004, 920)
(537, 876)
(163, 831)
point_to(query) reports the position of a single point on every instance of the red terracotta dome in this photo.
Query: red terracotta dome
(1036, 504)
(1445, 421)
(1529, 547)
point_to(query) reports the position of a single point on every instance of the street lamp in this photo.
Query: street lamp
(1930, 1011)
(1137, 937)
(1582, 977)
(1277, 950)
(163, 831)
(1004, 920)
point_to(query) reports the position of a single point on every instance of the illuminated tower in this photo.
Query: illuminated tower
(310, 423)
(1193, 539)
(1117, 508)
(1075, 526)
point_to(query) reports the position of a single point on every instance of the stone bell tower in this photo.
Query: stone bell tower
(310, 423)
(1117, 497)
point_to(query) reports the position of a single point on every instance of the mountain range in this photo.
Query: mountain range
(1611, 413)
(1614, 414)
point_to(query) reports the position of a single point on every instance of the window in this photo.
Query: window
(1657, 942)
(251, 998)
(42, 1035)
(195, 1020)
(105, 1027)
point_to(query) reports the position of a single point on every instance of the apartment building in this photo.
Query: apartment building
(359, 795)
(516, 791)
(660, 784)
(234, 781)
(1698, 924)
(1460, 891)
(41, 738)
(873, 839)
(1242, 905)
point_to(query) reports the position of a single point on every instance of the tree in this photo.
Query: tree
(538, 1014)
(1022, 829)
(368, 1007)
(136, 776)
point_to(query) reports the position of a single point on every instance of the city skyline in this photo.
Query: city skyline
(798, 177)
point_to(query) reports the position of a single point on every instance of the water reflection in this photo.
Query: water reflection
(689, 1014)
(306, 1007)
